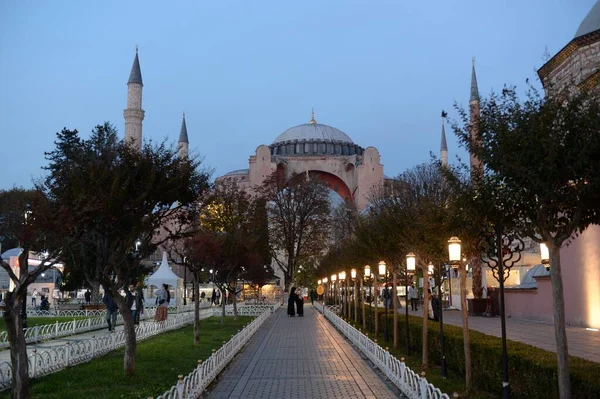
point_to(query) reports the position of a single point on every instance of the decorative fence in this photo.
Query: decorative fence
(409, 382)
(60, 357)
(95, 320)
(192, 385)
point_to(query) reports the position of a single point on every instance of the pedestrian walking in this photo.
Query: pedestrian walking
(300, 303)
(213, 297)
(163, 297)
(88, 297)
(291, 311)
(218, 299)
(111, 311)
(313, 296)
(436, 307)
(413, 295)
(34, 298)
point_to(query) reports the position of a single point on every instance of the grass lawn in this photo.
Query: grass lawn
(159, 361)
(38, 321)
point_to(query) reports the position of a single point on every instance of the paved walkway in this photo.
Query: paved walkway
(582, 343)
(300, 358)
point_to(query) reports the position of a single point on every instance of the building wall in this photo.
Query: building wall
(576, 62)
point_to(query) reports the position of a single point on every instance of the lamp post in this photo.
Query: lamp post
(335, 294)
(343, 294)
(354, 280)
(184, 280)
(411, 261)
(545, 256)
(383, 274)
(443, 367)
(501, 252)
(367, 275)
(325, 280)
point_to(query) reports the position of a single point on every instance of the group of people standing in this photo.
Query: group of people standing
(295, 303)
(134, 298)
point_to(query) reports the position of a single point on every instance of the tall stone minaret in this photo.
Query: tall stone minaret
(183, 145)
(476, 164)
(444, 145)
(134, 114)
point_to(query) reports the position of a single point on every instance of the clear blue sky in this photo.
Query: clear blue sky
(245, 71)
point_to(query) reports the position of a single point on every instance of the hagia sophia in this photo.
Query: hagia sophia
(352, 170)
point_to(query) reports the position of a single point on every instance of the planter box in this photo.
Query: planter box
(477, 306)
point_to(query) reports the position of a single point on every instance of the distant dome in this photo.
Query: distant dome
(591, 22)
(529, 277)
(313, 131)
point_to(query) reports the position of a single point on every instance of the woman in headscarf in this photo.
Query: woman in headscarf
(292, 302)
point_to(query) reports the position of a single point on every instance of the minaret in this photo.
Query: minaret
(476, 165)
(183, 145)
(134, 114)
(444, 145)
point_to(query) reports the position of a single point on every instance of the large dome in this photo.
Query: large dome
(591, 22)
(313, 131)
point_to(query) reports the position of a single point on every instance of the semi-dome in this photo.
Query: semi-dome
(314, 138)
(591, 22)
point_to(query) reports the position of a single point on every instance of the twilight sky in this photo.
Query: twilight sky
(245, 71)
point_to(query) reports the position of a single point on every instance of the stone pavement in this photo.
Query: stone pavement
(581, 342)
(295, 357)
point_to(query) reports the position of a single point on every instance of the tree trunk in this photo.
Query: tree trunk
(562, 350)
(96, 297)
(18, 348)
(395, 306)
(130, 341)
(466, 335)
(477, 281)
(234, 299)
(196, 312)
(223, 302)
(425, 360)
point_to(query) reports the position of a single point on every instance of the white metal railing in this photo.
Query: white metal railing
(95, 320)
(45, 362)
(410, 383)
(192, 385)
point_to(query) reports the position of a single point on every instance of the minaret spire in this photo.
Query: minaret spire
(184, 144)
(134, 114)
(444, 145)
(476, 165)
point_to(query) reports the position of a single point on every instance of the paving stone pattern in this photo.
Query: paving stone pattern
(300, 357)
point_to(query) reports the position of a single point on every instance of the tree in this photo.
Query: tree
(34, 226)
(541, 177)
(13, 203)
(145, 196)
(299, 215)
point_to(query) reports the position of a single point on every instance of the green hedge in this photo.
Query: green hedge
(532, 371)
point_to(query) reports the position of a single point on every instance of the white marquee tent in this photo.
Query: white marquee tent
(164, 275)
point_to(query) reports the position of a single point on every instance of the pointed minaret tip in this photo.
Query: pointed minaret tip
(444, 145)
(474, 89)
(136, 73)
(183, 136)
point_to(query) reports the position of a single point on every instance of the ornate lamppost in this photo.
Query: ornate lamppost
(383, 275)
(343, 294)
(326, 293)
(439, 281)
(353, 276)
(334, 285)
(367, 275)
(411, 261)
(501, 252)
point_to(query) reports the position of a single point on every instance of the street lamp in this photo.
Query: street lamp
(501, 252)
(545, 255)
(343, 294)
(383, 273)
(335, 296)
(325, 293)
(367, 275)
(411, 263)
(354, 293)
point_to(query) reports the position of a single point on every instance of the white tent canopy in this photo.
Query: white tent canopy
(164, 275)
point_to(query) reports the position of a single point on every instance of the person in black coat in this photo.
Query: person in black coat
(300, 305)
(292, 302)
(436, 306)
